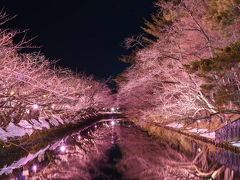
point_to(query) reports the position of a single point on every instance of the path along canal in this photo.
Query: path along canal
(114, 149)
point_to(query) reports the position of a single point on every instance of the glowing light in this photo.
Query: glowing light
(12, 93)
(112, 122)
(112, 109)
(44, 96)
(34, 168)
(199, 149)
(95, 126)
(53, 106)
(62, 148)
(27, 111)
(210, 120)
(198, 121)
(35, 106)
(79, 137)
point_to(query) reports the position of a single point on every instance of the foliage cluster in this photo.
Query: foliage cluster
(221, 74)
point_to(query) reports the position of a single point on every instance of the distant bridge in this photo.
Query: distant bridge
(229, 132)
(121, 119)
(110, 115)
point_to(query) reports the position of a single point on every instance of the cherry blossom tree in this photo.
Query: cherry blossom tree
(32, 86)
(182, 33)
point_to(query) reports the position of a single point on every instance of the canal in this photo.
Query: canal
(116, 149)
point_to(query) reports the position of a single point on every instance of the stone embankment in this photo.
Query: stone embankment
(157, 129)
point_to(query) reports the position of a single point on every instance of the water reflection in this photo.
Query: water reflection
(229, 159)
(113, 149)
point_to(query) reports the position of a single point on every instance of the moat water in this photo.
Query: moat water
(116, 149)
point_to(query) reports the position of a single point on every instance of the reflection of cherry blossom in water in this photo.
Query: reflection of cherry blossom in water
(34, 168)
(120, 152)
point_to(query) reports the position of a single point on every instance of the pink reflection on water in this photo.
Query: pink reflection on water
(34, 168)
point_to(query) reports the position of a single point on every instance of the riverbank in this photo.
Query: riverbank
(16, 147)
(166, 132)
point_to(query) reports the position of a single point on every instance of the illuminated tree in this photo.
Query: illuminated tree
(181, 32)
(31, 86)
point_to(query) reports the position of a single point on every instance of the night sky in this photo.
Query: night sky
(85, 35)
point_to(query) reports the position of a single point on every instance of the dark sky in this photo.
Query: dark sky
(84, 34)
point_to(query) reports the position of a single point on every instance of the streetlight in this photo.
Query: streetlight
(113, 110)
(62, 148)
(53, 106)
(198, 121)
(35, 106)
(112, 123)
